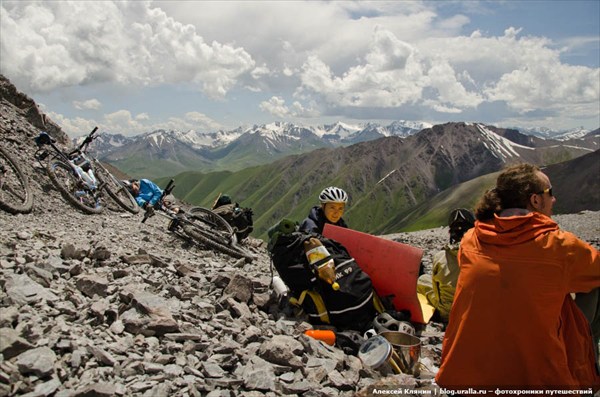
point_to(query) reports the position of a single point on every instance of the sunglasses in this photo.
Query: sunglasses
(548, 190)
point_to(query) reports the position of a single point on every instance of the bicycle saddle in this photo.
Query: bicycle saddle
(385, 322)
(43, 139)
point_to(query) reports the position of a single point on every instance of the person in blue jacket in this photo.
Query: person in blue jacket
(333, 203)
(144, 191)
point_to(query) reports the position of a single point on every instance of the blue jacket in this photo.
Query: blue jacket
(149, 193)
(316, 220)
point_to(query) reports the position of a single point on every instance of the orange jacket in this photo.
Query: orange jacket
(513, 323)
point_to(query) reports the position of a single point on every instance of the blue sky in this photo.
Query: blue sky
(133, 67)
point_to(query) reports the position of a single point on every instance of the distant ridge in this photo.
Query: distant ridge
(387, 178)
(164, 153)
(172, 152)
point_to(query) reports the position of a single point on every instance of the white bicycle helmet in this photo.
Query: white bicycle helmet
(333, 194)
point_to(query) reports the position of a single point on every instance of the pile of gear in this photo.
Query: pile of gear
(238, 217)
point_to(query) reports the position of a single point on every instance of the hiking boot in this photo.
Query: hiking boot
(385, 322)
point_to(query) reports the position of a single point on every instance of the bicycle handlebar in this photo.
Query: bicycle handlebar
(168, 189)
(88, 139)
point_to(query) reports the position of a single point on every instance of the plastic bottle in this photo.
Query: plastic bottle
(279, 286)
(323, 335)
(315, 252)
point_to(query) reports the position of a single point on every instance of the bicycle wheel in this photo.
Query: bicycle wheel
(15, 194)
(115, 189)
(72, 188)
(213, 220)
(210, 239)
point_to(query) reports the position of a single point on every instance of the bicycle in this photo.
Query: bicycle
(80, 177)
(15, 193)
(199, 225)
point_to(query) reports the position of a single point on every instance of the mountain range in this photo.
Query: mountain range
(395, 183)
(164, 153)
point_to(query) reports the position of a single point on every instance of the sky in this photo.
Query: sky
(137, 66)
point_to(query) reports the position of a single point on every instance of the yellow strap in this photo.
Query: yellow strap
(377, 303)
(317, 301)
(320, 305)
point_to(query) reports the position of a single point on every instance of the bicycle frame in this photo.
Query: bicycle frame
(87, 177)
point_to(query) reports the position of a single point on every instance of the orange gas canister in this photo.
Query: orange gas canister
(324, 335)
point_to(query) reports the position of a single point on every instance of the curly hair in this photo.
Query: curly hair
(513, 188)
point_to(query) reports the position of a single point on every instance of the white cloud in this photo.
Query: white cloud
(277, 107)
(394, 73)
(46, 45)
(202, 121)
(121, 120)
(525, 72)
(89, 104)
(342, 58)
(124, 122)
(74, 127)
(451, 75)
(260, 71)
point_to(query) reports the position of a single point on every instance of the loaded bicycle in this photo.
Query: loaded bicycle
(15, 194)
(198, 225)
(81, 178)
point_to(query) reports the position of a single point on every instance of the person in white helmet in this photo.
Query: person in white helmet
(333, 203)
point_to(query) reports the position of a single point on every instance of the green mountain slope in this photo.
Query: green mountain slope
(394, 184)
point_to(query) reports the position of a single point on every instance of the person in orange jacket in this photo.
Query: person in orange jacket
(513, 323)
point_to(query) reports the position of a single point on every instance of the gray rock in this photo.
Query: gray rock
(91, 284)
(45, 389)
(39, 361)
(283, 350)
(69, 251)
(8, 315)
(23, 290)
(42, 276)
(24, 235)
(11, 343)
(259, 375)
(101, 389)
(102, 356)
(240, 288)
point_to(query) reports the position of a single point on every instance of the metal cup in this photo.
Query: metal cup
(407, 350)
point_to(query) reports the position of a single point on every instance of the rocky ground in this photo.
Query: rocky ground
(103, 305)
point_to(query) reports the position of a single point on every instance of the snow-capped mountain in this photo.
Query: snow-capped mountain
(405, 128)
(339, 130)
(177, 151)
(332, 134)
(560, 135)
(105, 142)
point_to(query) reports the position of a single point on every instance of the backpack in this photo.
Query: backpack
(353, 306)
(239, 218)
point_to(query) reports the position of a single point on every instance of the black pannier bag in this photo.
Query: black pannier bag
(353, 306)
(239, 218)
